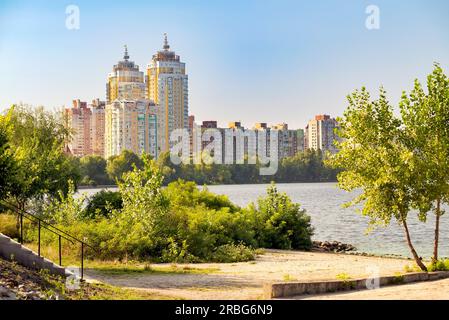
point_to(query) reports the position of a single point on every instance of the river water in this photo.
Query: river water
(323, 202)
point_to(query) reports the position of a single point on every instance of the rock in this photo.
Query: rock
(333, 246)
(6, 294)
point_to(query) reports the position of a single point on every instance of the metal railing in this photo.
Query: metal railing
(43, 224)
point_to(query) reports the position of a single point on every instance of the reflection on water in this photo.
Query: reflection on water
(323, 202)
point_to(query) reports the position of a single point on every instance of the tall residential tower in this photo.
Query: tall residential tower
(167, 86)
(125, 82)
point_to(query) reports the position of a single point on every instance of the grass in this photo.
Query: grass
(343, 276)
(288, 277)
(99, 291)
(117, 267)
(130, 268)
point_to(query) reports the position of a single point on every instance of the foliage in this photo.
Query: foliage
(117, 166)
(65, 210)
(375, 158)
(93, 171)
(439, 265)
(187, 194)
(8, 166)
(103, 203)
(37, 140)
(228, 253)
(8, 226)
(280, 223)
(307, 166)
(426, 122)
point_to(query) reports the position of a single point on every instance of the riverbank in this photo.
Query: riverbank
(246, 280)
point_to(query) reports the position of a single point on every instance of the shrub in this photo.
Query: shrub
(187, 194)
(440, 265)
(8, 225)
(102, 204)
(279, 223)
(232, 253)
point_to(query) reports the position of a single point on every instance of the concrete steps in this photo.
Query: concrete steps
(14, 251)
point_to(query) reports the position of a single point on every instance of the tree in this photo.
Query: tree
(125, 162)
(93, 170)
(37, 142)
(426, 120)
(374, 156)
(102, 204)
(8, 167)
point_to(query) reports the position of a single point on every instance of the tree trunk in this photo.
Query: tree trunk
(437, 231)
(412, 249)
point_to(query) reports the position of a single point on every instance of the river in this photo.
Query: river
(323, 202)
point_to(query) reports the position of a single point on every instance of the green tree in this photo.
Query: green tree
(103, 203)
(143, 217)
(37, 141)
(426, 121)
(93, 170)
(375, 158)
(8, 167)
(117, 166)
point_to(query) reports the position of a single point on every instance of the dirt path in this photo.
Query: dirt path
(245, 280)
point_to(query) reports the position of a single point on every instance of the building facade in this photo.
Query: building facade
(125, 82)
(78, 120)
(97, 127)
(131, 125)
(167, 86)
(319, 133)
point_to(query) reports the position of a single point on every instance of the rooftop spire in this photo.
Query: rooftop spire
(126, 56)
(166, 45)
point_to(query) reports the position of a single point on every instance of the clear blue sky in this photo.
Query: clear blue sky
(249, 60)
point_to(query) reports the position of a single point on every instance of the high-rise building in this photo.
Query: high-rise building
(287, 140)
(86, 122)
(319, 133)
(300, 139)
(97, 127)
(125, 82)
(167, 86)
(131, 125)
(78, 120)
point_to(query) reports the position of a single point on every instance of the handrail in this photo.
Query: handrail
(60, 233)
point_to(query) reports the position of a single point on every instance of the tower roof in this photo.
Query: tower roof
(126, 55)
(166, 54)
(166, 45)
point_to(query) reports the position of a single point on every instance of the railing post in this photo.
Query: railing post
(82, 260)
(60, 254)
(39, 238)
(21, 228)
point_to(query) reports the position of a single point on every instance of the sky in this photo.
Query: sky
(248, 60)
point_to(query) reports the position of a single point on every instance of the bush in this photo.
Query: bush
(440, 265)
(102, 204)
(279, 223)
(180, 223)
(232, 253)
(187, 194)
(8, 225)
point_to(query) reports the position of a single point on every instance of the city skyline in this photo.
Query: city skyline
(249, 70)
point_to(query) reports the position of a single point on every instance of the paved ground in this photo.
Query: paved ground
(245, 280)
(433, 290)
